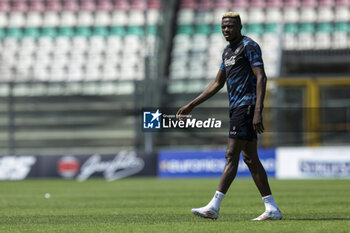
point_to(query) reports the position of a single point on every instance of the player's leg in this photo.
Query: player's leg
(251, 158)
(234, 148)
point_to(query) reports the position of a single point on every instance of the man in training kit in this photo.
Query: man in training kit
(243, 70)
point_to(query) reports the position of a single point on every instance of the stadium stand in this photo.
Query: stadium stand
(68, 40)
(275, 24)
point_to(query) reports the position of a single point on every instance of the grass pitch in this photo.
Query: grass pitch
(153, 205)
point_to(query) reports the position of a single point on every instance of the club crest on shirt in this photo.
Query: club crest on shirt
(231, 61)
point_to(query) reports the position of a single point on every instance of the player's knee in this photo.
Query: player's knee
(251, 162)
(229, 154)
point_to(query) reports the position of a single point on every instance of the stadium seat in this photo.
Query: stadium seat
(222, 4)
(70, 6)
(270, 37)
(34, 19)
(185, 16)
(74, 72)
(6, 73)
(16, 19)
(87, 6)
(57, 73)
(27, 46)
(42, 59)
(51, 19)
(40, 73)
(119, 18)
(102, 18)
(104, 5)
(59, 59)
(340, 36)
(54, 5)
(154, 4)
(255, 31)
(68, 19)
(92, 72)
(256, 12)
(31, 32)
(306, 36)
(97, 41)
(79, 44)
(13, 35)
(241, 7)
(136, 18)
(290, 39)
(76, 58)
(8, 59)
(217, 15)
(3, 19)
(19, 6)
(94, 60)
(203, 17)
(62, 45)
(325, 11)
(138, 5)
(36, 6)
(109, 72)
(273, 11)
(291, 11)
(85, 19)
(342, 11)
(83, 31)
(323, 38)
(308, 11)
(121, 5)
(114, 44)
(152, 17)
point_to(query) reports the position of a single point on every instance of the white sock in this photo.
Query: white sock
(216, 201)
(270, 204)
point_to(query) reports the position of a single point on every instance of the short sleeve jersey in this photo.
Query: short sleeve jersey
(237, 62)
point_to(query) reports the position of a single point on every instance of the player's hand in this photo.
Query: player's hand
(185, 110)
(258, 122)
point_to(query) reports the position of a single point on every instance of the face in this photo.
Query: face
(231, 29)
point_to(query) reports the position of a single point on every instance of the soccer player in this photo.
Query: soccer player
(243, 71)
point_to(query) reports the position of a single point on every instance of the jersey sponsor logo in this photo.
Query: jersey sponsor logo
(231, 61)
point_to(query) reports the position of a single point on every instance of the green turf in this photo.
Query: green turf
(153, 205)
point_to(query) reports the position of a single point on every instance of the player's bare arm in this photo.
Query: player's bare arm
(260, 95)
(211, 90)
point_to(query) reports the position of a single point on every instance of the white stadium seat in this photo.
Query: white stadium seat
(119, 18)
(3, 20)
(16, 19)
(34, 19)
(51, 19)
(85, 18)
(102, 18)
(68, 19)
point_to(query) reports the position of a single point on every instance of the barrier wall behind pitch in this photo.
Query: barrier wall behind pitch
(281, 163)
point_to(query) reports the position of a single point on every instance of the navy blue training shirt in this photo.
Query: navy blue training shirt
(237, 61)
